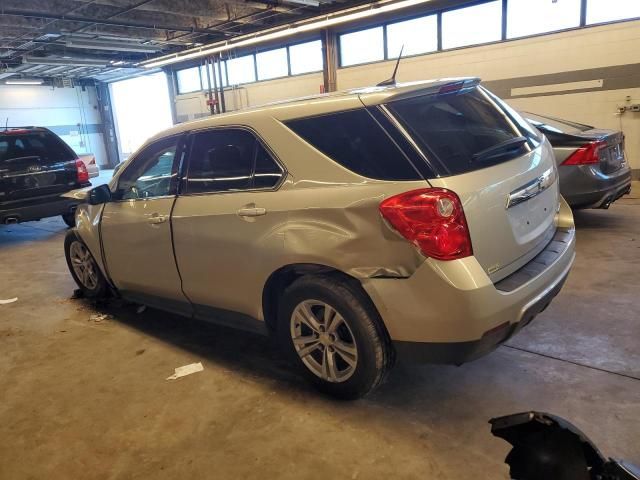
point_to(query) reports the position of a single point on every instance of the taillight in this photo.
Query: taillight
(81, 171)
(587, 154)
(432, 219)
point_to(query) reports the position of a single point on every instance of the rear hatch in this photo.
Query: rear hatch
(501, 168)
(34, 163)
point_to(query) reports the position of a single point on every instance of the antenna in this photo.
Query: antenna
(392, 80)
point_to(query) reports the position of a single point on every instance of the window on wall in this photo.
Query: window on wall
(419, 35)
(306, 57)
(205, 78)
(189, 80)
(241, 70)
(599, 11)
(525, 17)
(362, 47)
(472, 25)
(272, 64)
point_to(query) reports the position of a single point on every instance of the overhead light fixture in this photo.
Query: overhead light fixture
(306, 3)
(112, 46)
(7, 74)
(316, 23)
(24, 81)
(72, 62)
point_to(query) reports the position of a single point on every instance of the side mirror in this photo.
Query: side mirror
(99, 195)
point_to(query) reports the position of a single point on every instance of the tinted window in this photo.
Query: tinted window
(223, 160)
(357, 142)
(463, 130)
(43, 147)
(267, 171)
(152, 173)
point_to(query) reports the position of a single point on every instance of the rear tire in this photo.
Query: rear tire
(332, 332)
(69, 219)
(83, 267)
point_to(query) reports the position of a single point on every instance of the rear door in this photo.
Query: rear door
(223, 223)
(34, 163)
(502, 170)
(136, 228)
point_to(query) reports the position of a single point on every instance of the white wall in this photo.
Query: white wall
(194, 105)
(589, 48)
(64, 110)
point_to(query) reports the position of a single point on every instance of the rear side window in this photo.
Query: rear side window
(225, 160)
(357, 142)
(43, 147)
(465, 130)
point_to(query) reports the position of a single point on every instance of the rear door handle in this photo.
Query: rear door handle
(156, 219)
(252, 212)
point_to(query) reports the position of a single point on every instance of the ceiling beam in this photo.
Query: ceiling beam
(98, 21)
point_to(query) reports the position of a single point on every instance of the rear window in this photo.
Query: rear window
(357, 142)
(43, 147)
(465, 130)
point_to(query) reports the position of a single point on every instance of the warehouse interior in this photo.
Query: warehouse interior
(84, 392)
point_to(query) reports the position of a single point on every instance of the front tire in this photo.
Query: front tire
(83, 267)
(333, 333)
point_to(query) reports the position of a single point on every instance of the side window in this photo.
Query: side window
(267, 172)
(152, 173)
(357, 142)
(224, 160)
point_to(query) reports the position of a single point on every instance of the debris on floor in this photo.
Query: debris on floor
(8, 300)
(186, 370)
(99, 317)
(141, 309)
(77, 293)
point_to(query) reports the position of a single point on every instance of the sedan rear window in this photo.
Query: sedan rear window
(43, 147)
(465, 130)
(356, 141)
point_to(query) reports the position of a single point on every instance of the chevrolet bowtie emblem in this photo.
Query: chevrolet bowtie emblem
(531, 189)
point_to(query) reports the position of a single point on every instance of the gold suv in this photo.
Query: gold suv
(418, 221)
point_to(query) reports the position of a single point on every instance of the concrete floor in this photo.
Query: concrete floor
(80, 399)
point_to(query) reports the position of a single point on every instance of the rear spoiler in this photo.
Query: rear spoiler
(445, 86)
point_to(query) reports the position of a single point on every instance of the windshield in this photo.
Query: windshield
(465, 130)
(556, 125)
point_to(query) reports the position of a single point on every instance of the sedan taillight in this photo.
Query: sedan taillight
(587, 154)
(432, 219)
(81, 172)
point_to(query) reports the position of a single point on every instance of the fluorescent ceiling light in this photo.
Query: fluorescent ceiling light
(7, 74)
(65, 61)
(24, 81)
(316, 23)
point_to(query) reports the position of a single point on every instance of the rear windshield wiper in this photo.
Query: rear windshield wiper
(506, 145)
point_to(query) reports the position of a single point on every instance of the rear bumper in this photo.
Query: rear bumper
(586, 186)
(451, 312)
(35, 209)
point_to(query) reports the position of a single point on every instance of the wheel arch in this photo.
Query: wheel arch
(280, 279)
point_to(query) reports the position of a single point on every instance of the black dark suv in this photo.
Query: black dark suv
(36, 168)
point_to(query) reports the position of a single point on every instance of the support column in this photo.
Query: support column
(330, 57)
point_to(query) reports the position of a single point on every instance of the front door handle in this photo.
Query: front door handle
(252, 212)
(156, 219)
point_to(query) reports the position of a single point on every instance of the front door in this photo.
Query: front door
(136, 228)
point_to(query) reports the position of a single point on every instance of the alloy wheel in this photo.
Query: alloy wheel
(324, 341)
(83, 265)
